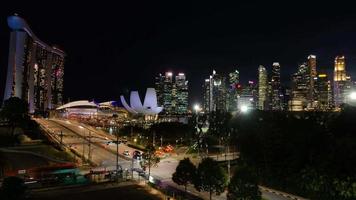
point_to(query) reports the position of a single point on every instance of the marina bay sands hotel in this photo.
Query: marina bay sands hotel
(35, 69)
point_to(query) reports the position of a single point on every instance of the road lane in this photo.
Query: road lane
(104, 154)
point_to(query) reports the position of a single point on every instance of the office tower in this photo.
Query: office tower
(300, 89)
(159, 83)
(262, 88)
(276, 94)
(207, 95)
(172, 94)
(323, 93)
(35, 69)
(287, 92)
(342, 82)
(181, 94)
(248, 96)
(233, 90)
(215, 93)
(219, 92)
(313, 77)
(168, 101)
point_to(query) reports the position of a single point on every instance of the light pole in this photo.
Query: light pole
(117, 154)
(89, 153)
(81, 127)
(197, 108)
(228, 151)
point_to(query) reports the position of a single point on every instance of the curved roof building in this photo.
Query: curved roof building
(35, 70)
(78, 104)
(149, 106)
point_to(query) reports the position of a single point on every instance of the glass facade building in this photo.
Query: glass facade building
(172, 94)
(35, 69)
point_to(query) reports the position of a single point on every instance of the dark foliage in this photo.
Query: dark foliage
(312, 154)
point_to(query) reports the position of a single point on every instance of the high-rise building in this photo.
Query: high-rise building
(276, 91)
(300, 90)
(313, 76)
(342, 82)
(248, 96)
(35, 69)
(234, 78)
(215, 93)
(181, 94)
(262, 88)
(172, 95)
(311, 85)
(323, 93)
(207, 95)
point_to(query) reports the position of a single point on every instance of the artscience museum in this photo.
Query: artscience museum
(149, 106)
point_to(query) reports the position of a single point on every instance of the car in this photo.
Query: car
(137, 155)
(126, 153)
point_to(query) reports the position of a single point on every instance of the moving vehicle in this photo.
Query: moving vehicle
(137, 155)
(126, 153)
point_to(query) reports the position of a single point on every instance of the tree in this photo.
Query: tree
(15, 110)
(13, 188)
(210, 177)
(185, 173)
(244, 185)
(149, 158)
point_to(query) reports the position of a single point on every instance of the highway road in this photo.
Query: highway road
(76, 136)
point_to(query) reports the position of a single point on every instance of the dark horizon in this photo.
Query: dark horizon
(113, 49)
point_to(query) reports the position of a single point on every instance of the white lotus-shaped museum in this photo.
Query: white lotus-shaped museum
(149, 106)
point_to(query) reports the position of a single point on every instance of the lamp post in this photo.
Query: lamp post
(89, 146)
(83, 153)
(117, 157)
(197, 108)
(228, 151)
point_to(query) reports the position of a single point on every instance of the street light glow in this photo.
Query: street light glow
(244, 108)
(196, 107)
(353, 96)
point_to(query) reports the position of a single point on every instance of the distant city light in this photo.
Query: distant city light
(169, 74)
(196, 107)
(353, 96)
(244, 109)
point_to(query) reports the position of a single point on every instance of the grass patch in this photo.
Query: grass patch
(51, 152)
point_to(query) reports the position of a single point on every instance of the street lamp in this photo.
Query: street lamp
(196, 108)
(352, 96)
(81, 127)
(244, 108)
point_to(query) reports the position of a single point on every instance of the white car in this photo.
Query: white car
(126, 153)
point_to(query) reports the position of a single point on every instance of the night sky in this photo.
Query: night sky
(114, 48)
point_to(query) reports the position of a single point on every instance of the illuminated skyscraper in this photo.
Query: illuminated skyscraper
(313, 76)
(342, 83)
(248, 96)
(164, 88)
(262, 87)
(323, 93)
(300, 90)
(233, 90)
(35, 69)
(172, 95)
(207, 95)
(181, 94)
(276, 91)
(215, 93)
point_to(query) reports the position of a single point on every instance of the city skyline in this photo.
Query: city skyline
(223, 46)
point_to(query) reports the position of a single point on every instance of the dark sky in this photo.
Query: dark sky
(113, 48)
